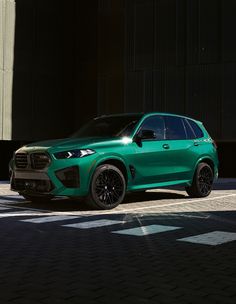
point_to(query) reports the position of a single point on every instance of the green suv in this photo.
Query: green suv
(115, 154)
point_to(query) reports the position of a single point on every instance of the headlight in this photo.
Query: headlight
(78, 153)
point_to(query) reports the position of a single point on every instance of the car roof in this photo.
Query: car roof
(147, 114)
(170, 114)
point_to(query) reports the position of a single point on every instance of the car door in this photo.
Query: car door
(181, 152)
(150, 158)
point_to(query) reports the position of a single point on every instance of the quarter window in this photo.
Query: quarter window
(197, 131)
(156, 124)
(174, 128)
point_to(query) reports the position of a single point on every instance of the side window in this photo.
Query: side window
(174, 128)
(189, 131)
(156, 124)
(197, 131)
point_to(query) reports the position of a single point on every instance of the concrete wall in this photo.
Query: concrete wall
(71, 60)
(76, 59)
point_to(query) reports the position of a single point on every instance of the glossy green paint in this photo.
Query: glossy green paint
(154, 165)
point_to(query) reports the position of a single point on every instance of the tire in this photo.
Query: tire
(202, 181)
(107, 188)
(36, 198)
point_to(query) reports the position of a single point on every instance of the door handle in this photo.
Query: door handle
(196, 143)
(166, 146)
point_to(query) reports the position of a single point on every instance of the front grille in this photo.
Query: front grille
(39, 160)
(21, 160)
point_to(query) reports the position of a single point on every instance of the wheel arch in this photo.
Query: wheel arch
(207, 160)
(117, 163)
(194, 189)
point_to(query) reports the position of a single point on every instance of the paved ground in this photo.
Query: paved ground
(157, 247)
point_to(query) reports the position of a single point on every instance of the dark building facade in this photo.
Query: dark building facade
(76, 59)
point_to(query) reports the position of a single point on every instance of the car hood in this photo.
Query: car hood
(73, 143)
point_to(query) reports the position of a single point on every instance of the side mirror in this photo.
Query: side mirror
(147, 134)
(143, 135)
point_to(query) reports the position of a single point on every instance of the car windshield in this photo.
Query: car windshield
(109, 126)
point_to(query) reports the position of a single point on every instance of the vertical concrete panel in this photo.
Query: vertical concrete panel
(180, 32)
(135, 101)
(192, 31)
(2, 72)
(228, 14)
(110, 48)
(203, 98)
(209, 31)
(228, 101)
(7, 29)
(129, 35)
(175, 90)
(143, 34)
(148, 91)
(165, 32)
(102, 94)
(159, 90)
(86, 69)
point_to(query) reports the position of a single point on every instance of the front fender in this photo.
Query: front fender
(102, 159)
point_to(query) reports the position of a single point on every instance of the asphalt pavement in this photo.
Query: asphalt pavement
(157, 247)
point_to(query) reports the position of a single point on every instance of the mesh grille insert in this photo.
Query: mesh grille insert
(21, 160)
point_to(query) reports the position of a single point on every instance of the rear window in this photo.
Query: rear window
(196, 129)
(189, 130)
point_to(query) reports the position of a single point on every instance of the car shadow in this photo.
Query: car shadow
(61, 204)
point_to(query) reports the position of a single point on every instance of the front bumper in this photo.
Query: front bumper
(67, 177)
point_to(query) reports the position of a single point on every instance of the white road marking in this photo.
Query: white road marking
(19, 213)
(7, 195)
(145, 230)
(52, 218)
(12, 205)
(4, 208)
(94, 224)
(212, 238)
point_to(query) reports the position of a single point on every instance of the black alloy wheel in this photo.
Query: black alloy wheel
(107, 187)
(202, 181)
(205, 180)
